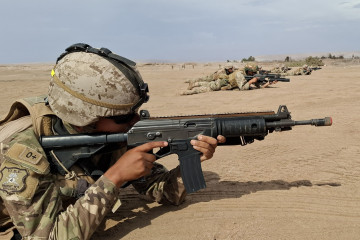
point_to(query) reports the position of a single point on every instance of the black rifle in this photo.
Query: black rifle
(315, 68)
(269, 77)
(264, 71)
(239, 129)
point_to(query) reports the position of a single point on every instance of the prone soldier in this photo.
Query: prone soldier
(280, 69)
(91, 91)
(304, 70)
(238, 81)
(213, 82)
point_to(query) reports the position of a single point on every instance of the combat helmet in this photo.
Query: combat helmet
(88, 83)
(252, 68)
(229, 66)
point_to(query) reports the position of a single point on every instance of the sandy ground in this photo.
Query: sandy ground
(300, 184)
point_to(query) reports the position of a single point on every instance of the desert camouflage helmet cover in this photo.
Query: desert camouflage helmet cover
(228, 66)
(253, 68)
(86, 86)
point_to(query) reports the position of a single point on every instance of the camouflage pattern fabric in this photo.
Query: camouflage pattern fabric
(299, 71)
(48, 206)
(237, 81)
(196, 90)
(219, 74)
(280, 69)
(253, 68)
(201, 87)
(75, 94)
(162, 186)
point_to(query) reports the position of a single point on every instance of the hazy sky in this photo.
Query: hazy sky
(177, 30)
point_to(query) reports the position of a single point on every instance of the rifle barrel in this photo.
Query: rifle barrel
(327, 121)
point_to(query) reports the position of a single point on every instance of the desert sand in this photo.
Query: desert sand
(298, 184)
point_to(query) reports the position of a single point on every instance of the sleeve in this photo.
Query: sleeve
(162, 186)
(34, 201)
(44, 217)
(241, 81)
(82, 219)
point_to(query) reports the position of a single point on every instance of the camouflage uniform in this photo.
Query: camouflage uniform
(43, 204)
(201, 87)
(280, 69)
(219, 74)
(304, 70)
(237, 80)
(213, 82)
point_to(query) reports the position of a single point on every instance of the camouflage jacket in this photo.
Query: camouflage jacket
(44, 205)
(237, 80)
(299, 71)
(220, 74)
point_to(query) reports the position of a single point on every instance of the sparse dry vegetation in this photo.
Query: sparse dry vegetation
(311, 61)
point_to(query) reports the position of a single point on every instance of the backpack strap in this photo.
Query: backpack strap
(15, 126)
(38, 110)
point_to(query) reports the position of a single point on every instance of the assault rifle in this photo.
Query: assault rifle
(239, 129)
(315, 68)
(269, 77)
(264, 71)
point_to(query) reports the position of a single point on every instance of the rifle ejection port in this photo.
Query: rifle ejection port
(153, 135)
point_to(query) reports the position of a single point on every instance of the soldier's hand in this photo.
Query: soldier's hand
(135, 163)
(207, 145)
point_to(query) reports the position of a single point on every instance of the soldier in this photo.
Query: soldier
(237, 79)
(220, 73)
(213, 82)
(280, 69)
(304, 70)
(91, 91)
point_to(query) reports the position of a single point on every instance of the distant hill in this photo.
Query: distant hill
(281, 57)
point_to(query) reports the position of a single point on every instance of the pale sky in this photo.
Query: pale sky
(177, 30)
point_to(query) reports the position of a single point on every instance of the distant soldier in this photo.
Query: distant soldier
(280, 69)
(212, 82)
(304, 70)
(220, 73)
(237, 79)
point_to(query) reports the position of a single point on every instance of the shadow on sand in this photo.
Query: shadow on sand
(135, 212)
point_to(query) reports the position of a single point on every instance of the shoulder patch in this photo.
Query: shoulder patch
(17, 183)
(28, 157)
(12, 179)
